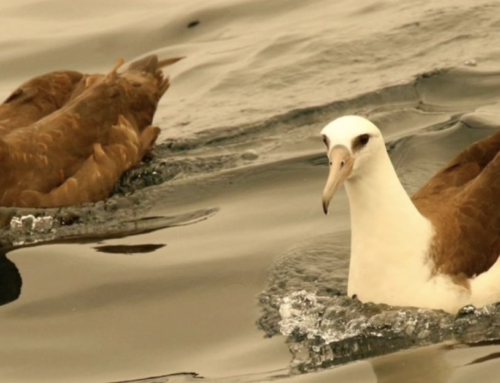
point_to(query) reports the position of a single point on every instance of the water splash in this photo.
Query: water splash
(30, 229)
(323, 331)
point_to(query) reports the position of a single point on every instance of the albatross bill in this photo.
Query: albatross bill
(341, 163)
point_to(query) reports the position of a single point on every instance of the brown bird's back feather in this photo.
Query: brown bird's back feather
(463, 203)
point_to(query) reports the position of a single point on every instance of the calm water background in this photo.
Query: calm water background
(240, 128)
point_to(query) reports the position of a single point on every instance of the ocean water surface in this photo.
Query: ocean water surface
(213, 261)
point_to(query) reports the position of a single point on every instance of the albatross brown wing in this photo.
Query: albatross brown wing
(463, 203)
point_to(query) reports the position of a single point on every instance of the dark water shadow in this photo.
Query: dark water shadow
(487, 358)
(11, 281)
(129, 249)
(185, 376)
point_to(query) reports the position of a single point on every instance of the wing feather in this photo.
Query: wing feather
(463, 203)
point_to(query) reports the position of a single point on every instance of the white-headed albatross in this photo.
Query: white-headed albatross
(438, 249)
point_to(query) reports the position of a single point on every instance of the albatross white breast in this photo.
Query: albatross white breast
(438, 249)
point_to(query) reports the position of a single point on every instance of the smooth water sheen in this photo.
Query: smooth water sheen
(220, 239)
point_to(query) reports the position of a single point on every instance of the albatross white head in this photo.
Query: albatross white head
(352, 142)
(390, 239)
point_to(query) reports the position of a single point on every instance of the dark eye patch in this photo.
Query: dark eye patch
(360, 141)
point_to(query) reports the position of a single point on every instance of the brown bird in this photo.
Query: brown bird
(66, 138)
(439, 249)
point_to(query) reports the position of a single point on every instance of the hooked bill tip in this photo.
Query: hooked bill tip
(325, 208)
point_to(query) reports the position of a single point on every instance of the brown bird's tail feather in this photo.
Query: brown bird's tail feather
(167, 62)
(151, 64)
(114, 72)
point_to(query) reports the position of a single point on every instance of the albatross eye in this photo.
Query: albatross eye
(363, 139)
(360, 141)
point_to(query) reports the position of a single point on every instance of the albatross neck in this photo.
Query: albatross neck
(377, 195)
(390, 238)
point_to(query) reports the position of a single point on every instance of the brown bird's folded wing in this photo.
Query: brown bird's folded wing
(97, 175)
